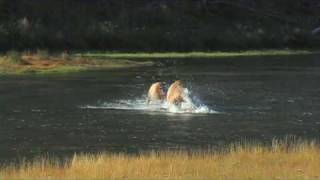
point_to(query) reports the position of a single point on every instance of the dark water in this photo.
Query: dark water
(257, 98)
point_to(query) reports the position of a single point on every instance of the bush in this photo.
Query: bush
(14, 56)
(42, 54)
(65, 55)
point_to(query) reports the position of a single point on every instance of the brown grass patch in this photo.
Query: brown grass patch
(299, 161)
(33, 63)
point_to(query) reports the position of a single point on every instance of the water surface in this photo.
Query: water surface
(253, 98)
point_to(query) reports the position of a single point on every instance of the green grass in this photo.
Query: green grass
(214, 54)
(59, 70)
(13, 62)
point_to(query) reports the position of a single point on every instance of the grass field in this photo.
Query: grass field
(244, 161)
(214, 54)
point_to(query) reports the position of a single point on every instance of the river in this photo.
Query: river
(256, 98)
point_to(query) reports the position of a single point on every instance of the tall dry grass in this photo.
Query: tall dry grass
(241, 161)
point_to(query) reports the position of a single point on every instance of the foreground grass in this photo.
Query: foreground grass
(214, 54)
(281, 161)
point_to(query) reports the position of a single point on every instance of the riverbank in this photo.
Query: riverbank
(177, 55)
(243, 161)
(14, 63)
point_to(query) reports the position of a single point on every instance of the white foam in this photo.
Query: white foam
(141, 104)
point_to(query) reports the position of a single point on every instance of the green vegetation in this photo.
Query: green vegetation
(13, 57)
(243, 161)
(42, 54)
(166, 25)
(216, 54)
(42, 62)
(15, 63)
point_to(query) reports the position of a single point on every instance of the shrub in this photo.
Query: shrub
(42, 54)
(65, 55)
(14, 56)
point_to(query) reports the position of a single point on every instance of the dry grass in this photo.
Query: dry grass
(42, 63)
(281, 161)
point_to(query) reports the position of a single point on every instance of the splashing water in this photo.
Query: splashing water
(189, 106)
(141, 104)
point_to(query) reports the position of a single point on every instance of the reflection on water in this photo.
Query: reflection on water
(253, 98)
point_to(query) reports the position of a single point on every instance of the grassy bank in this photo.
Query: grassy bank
(213, 54)
(42, 63)
(281, 161)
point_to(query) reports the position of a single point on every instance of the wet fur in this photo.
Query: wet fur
(156, 92)
(175, 94)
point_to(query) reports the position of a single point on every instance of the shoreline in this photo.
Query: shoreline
(16, 63)
(34, 65)
(195, 54)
